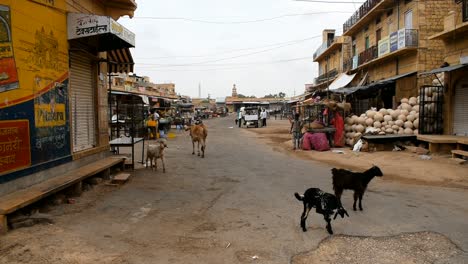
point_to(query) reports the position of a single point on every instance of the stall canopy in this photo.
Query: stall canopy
(342, 80)
(372, 86)
(445, 69)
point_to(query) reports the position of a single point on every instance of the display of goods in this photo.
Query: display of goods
(416, 123)
(360, 128)
(383, 111)
(403, 120)
(361, 120)
(402, 117)
(370, 113)
(408, 124)
(378, 117)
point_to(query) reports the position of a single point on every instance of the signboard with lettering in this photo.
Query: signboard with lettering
(85, 25)
(355, 62)
(384, 46)
(401, 38)
(14, 145)
(393, 41)
(122, 32)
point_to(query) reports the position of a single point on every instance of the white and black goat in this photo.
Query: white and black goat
(357, 181)
(325, 204)
(156, 152)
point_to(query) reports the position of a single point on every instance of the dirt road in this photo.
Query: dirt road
(237, 206)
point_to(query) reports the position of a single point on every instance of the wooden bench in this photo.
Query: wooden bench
(439, 143)
(19, 199)
(459, 153)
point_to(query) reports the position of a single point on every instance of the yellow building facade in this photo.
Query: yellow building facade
(53, 84)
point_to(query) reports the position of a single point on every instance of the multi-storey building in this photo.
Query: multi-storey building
(390, 44)
(330, 56)
(142, 85)
(55, 57)
(384, 46)
(455, 38)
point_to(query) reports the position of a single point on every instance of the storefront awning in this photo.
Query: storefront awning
(445, 69)
(373, 86)
(100, 31)
(120, 60)
(341, 81)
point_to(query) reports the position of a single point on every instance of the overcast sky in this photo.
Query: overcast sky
(189, 52)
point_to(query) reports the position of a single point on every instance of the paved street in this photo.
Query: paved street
(237, 204)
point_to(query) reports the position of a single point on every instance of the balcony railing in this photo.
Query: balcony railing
(403, 38)
(360, 13)
(323, 47)
(326, 76)
(368, 55)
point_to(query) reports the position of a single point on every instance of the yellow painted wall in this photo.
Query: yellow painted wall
(40, 49)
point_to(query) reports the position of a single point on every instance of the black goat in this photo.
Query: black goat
(357, 181)
(324, 203)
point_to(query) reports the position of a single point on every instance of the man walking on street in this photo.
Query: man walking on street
(296, 126)
(263, 115)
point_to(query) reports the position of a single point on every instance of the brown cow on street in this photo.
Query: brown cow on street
(198, 133)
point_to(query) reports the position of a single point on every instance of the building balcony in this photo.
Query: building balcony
(328, 47)
(326, 76)
(365, 14)
(396, 44)
(368, 55)
(455, 25)
(322, 48)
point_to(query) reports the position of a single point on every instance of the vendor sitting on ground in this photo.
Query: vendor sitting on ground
(296, 126)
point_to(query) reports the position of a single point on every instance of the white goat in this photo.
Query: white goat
(156, 152)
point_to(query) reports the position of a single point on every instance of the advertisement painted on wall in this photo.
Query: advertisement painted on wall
(14, 145)
(8, 73)
(37, 110)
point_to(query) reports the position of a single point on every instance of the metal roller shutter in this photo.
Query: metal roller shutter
(460, 120)
(83, 101)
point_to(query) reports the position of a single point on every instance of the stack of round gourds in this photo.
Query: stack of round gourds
(403, 120)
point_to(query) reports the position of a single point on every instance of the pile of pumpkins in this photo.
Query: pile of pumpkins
(403, 120)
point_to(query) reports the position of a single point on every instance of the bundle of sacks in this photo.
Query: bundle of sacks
(403, 120)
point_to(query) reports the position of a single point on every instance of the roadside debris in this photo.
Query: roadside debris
(425, 157)
(228, 245)
(255, 257)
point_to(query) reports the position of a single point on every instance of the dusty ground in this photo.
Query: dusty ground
(237, 206)
(402, 166)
